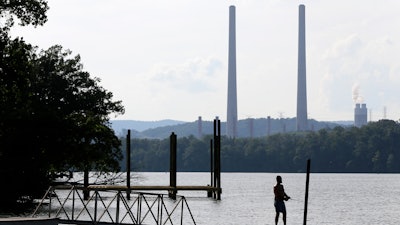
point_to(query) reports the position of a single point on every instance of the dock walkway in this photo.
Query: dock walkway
(154, 188)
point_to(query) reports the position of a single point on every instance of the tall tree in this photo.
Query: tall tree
(53, 116)
(28, 12)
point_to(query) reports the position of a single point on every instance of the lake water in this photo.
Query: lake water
(247, 198)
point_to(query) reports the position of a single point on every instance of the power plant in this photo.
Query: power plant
(360, 115)
(301, 118)
(360, 111)
(232, 118)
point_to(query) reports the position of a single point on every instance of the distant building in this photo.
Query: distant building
(360, 115)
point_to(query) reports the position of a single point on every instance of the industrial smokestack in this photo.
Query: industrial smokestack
(231, 119)
(251, 127)
(199, 127)
(268, 126)
(301, 118)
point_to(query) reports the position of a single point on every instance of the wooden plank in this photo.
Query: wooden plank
(152, 188)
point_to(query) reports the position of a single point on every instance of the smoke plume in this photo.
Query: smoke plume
(357, 98)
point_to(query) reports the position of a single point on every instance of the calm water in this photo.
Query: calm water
(247, 198)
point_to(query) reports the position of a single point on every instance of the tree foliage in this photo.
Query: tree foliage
(53, 117)
(373, 148)
(27, 12)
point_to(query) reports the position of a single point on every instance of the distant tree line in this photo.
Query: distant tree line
(247, 128)
(374, 148)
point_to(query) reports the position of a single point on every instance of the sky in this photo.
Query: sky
(169, 59)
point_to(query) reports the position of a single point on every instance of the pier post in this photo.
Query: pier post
(86, 192)
(209, 193)
(128, 165)
(172, 166)
(215, 158)
(219, 160)
(306, 197)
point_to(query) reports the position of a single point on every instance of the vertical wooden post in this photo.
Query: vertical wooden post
(128, 165)
(219, 161)
(172, 166)
(306, 197)
(86, 184)
(215, 172)
(209, 194)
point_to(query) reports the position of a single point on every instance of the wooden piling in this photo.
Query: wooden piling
(172, 166)
(128, 164)
(86, 192)
(306, 197)
(219, 161)
(215, 157)
(209, 194)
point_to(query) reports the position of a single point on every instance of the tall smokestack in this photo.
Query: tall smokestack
(199, 127)
(231, 119)
(301, 74)
(268, 126)
(251, 127)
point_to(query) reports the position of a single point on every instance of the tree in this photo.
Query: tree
(16, 166)
(72, 98)
(53, 117)
(28, 12)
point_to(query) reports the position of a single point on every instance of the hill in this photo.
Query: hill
(246, 128)
(120, 125)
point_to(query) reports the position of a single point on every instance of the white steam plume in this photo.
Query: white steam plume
(357, 98)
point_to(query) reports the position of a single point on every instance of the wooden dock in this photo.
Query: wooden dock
(213, 190)
(172, 190)
(153, 188)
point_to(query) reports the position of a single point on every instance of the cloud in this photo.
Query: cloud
(193, 76)
(347, 46)
(356, 61)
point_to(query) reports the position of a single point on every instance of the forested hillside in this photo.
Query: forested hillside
(373, 148)
(246, 128)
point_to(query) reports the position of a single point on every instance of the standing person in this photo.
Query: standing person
(280, 197)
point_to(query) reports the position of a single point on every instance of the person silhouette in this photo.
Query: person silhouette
(280, 197)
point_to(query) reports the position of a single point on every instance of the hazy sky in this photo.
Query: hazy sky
(168, 59)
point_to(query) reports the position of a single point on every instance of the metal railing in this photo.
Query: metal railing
(112, 207)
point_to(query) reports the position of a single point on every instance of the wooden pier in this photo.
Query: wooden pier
(213, 189)
(153, 188)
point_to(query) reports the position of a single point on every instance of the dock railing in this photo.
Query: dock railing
(112, 207)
